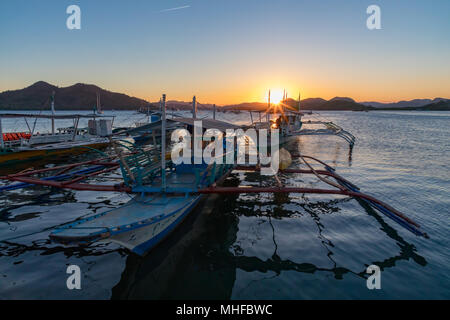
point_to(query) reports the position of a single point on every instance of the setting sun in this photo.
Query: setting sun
(276, 96)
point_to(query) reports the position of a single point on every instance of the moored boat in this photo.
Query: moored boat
(29, 146)
(289, 121)
(166, 194)
(144, 221)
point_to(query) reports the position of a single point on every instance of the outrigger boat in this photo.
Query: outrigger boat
(141, 132)
(289, 121)
(29, 146)
(165, 192)
(149, 132)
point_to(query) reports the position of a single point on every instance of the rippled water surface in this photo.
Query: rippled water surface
(264, 246)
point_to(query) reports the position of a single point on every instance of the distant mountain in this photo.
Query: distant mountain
(84, 96)
(311, 103)
(340, 103)
(403, 104)
(435, 105)
(77, 97)
(350, 100)
(337, 103)
(183, 105)
(440, 105)
(246, 106)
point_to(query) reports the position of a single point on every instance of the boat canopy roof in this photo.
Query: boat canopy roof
(51, 116)
(207, 123)
(174, 122)
(144, 128)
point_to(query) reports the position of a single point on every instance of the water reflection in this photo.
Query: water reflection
(201, 260)
(46, 247)
(214, 255)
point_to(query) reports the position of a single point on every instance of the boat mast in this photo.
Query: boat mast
(214, 111)
(268, 109)
(99, 108)
(53, 112)
(163, 142)
(75, 128)
(194, 108)
(299, 101)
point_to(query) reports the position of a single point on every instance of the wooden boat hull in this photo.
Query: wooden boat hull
(138, 226)
(144, 221)
(15, 157)
(142, 240)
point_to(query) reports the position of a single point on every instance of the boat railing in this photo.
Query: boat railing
(141, 169)
(138, 166)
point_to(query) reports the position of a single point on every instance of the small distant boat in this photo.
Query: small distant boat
(148, 132)
(98, 108)
(143, 133)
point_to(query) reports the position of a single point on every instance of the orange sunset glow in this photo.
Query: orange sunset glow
(234, 59)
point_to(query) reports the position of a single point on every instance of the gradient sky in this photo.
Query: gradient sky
(230, 51)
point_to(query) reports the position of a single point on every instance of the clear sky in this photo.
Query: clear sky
(230, 51)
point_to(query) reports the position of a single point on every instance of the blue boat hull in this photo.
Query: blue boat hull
(138, 226)
(149, 217)
(142, 240)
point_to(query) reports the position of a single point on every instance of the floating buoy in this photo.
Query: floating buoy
(285, 159)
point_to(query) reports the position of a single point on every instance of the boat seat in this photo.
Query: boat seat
(144, 167)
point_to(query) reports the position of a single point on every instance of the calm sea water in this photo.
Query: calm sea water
(261, 246)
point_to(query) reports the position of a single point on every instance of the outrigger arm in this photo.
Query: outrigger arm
(72, 180)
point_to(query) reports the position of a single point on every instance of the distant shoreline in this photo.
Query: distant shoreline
(233, 110)
(85, 97)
